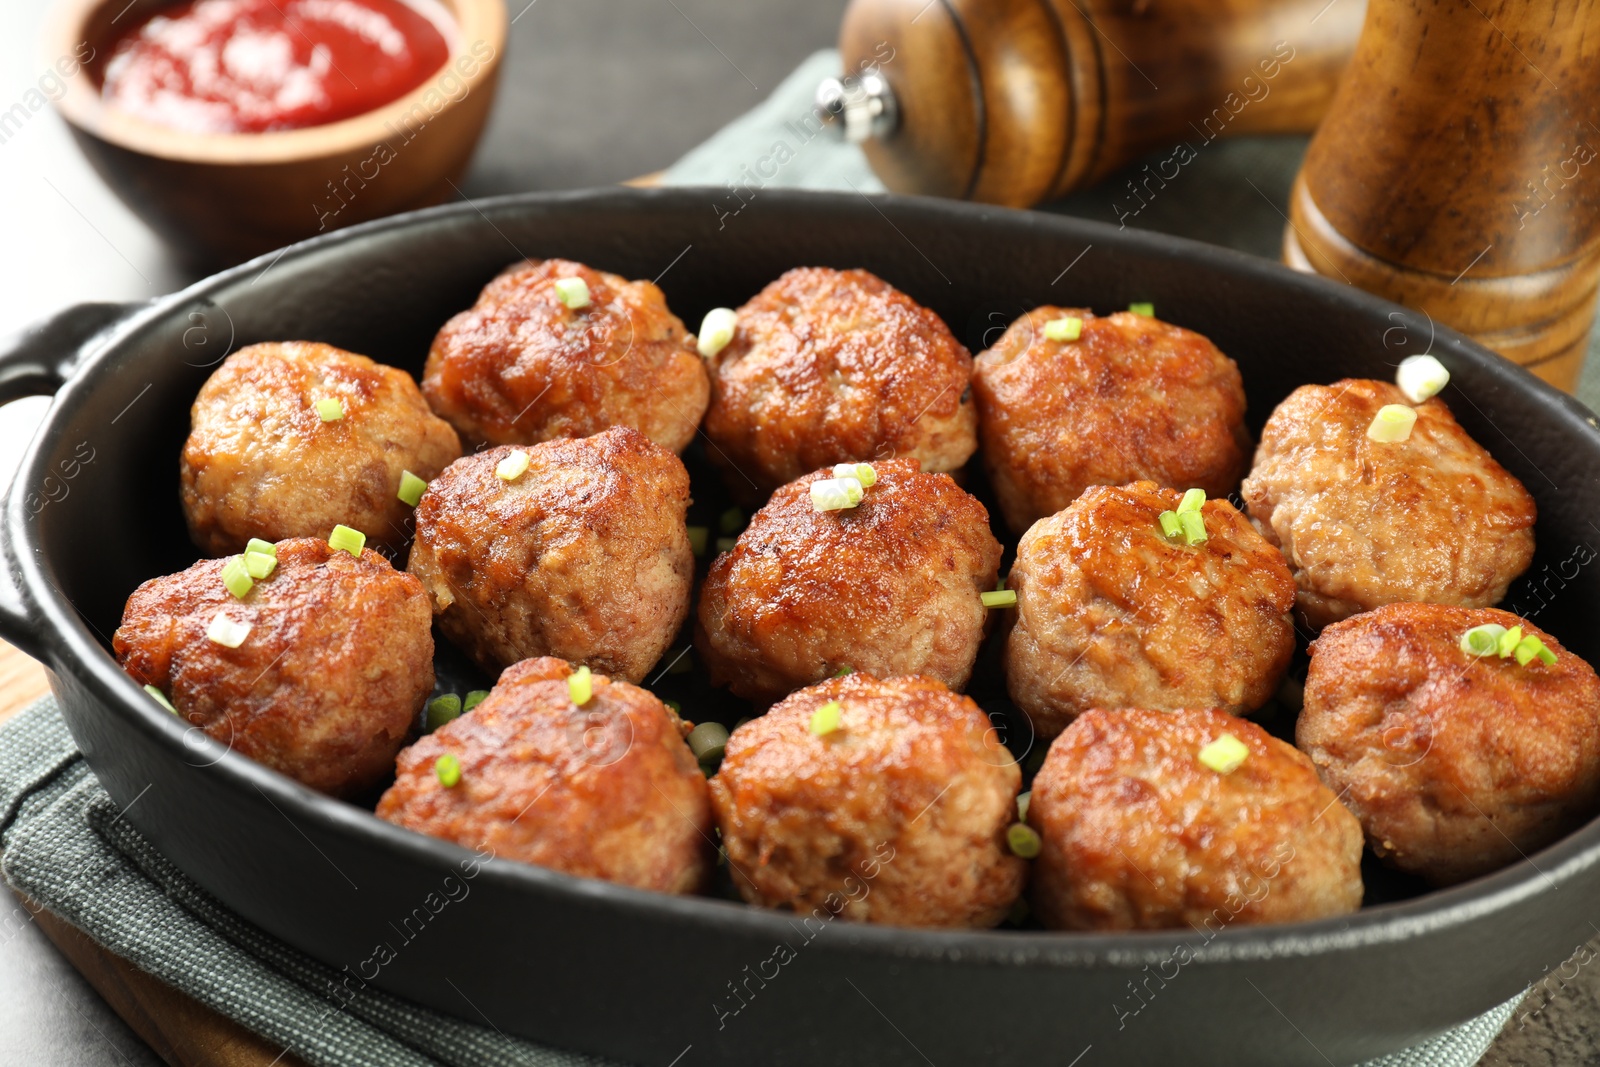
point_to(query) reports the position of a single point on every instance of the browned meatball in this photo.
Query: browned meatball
(897, 816)
(1455, 765)
(830, 366)
(1113, 613)
(1132, 399)
(607, 790)
(261, 462)
(520, 366)
(327, 684)
(583, 556)
(889, 587)
(1138, 833)
(1433, 518)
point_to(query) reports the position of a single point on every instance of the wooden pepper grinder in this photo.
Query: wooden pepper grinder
(1019, 101)
(1455, 173)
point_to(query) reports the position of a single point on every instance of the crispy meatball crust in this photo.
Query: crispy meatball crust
(897, 817)
(1432, 519)
(1455, 765)
(1137, 833)
(326, 687)
(830, 366)
(889, 587)
(609, 790)
(584, 556)
(1110, 613)
(520, 367)
(260, 462)
(1133, 399)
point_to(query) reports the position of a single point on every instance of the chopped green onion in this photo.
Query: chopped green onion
(1546, 656)
(474, 698)
(329, 409)
(1194, 527)
(344, 539)
(1421, 377)
(441, 709)
(677, 708)
(697, 539)
(1225, 754)
(725, 544)
(411, 488)
(707, 741)
(580, 686)
(730, 521)
(448, 768)
(826, 719)
(513, 466)
(999, 598)
(835, 494)
(160, 698)
(1192, 500)
(236, 576)
(1171, 525)
(1148, 310)
(1064, 329)
(1526, 649)
(1509, 641)
(1022, 805)
(259, 564)
(716, 330)
(266, 548)
(1482, 640)
(861, 472)
(1023, 840)
(1392, 423)
(844, 672)
(227, 633)
(574, 292)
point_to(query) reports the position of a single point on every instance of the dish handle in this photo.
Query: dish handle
(37, 362)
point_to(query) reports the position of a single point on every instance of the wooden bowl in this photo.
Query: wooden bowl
(222, 198)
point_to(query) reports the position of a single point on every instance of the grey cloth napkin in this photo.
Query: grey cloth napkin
(68, 848)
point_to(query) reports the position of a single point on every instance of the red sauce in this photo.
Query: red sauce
(247, 66)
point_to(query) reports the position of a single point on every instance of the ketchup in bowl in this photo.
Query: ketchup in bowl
(251, 66)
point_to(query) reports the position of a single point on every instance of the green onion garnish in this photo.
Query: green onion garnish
(1392, 423)
(344, 539)
(259, 564)
(227, 633)
(1148, 310)
(1194, 527)
(1482, 640)
(1529, 648)
(826, 719)
(1509, 641)
(329, 409)
(725, 544)
(574, 292)
(266, 548)
(861, 472)
(707, 741)
(999, 598)
(1192, 500)
(473, 699)
(1421, 377)
(677, 708)
(411, 488)
(836, 494)
(844, 672)
(1022, 805)
(160, 698)
(1546, 656)
(716, 330)
(580, 686)
(448, 768)
(730, 521)
(697, 539)
(513, 466)
(1065, 329)
(1023, 840)
(441, 709)
(1225, 754)
(236, 576)
(1171, 525)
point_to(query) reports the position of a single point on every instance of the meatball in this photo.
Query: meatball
(897, 816)
(520, 366)
(1433, 518)
(1113, 613)
(1138, 833)
(327, 683)
(1131, 399)
(1455, 765)
(584, 555)
(262, 462)
(890, 587)
(831, 366)
(607, 790)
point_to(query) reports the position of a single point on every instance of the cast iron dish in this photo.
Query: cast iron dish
(650, 978)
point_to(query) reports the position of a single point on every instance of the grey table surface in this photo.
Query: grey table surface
(657, 77)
